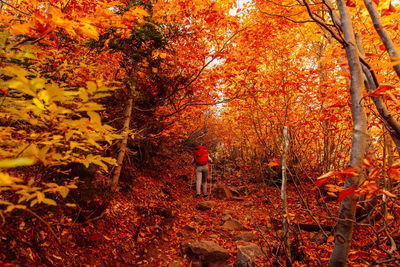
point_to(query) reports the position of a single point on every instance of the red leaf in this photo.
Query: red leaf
(324, 178)
(95, 236)
(381, 90)
(350, 3)
(394, 171)
(320, 182)
(376, 2)
(388, 11)
(345, 193)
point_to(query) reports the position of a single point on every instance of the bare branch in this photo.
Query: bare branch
(282, 16)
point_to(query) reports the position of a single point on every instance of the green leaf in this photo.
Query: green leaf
(12, 163)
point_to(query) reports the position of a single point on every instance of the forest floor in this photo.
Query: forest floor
(148, 220)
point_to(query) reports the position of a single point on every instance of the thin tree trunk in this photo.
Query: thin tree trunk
(122, 148)
(344, 226)
(284, 200)
(391, 123)
(383, 34)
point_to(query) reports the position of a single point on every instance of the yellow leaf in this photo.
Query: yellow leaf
(38, 103)
(40, 196)
(94, 117)
(83, 94)
(31, 181)
(6, 179)
(88, 30)
(5, 203)
(70, 205)
(49, 201)
(43, 95)
(64, 191)
(37, 83)
(140, 11)
(34, 202)
(12, 163)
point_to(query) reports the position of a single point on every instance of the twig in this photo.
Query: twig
(282, 16)
(388, 260)
(13, 7)
(266, 241)
(3, 220)
(45, 223)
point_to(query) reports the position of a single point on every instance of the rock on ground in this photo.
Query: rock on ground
(245, 236)
(206, 205)
(221, 192)
(247, 255)
(205, 251)
(233, 224)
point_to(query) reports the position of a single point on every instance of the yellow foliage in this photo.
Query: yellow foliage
(46, 123)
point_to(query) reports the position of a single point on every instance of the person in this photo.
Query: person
(201, 161)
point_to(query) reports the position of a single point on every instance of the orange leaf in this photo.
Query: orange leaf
(324, 178)
(274, 162)
(387, 193)
(350, 172)
(394, 171)
(381, 90)
(345, 193)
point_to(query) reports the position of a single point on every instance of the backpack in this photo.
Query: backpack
(201, 155)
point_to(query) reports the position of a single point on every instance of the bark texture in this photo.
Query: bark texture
(344, 226)
(284, 199)
(391, 123)
(122, 148)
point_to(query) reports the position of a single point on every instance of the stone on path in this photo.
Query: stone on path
(247, 255)
(226, 217)
(207, 252)
(189, 228)
(174, 264)
(198, 219)
(221, 192)
(245, 236)
(227, 212)
(233, 224)
(206, 205)
(249, 204)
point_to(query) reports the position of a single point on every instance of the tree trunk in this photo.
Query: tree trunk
(383, 34)
(284, 199)
(125, 133)
(344, 226)
(392, 124)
